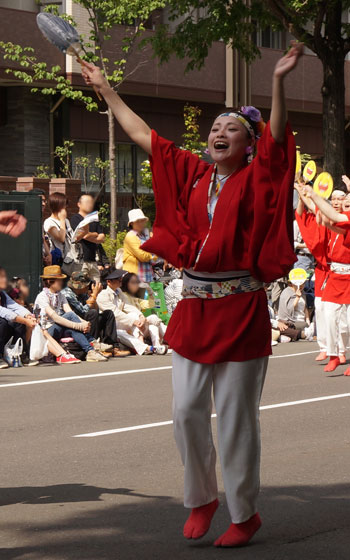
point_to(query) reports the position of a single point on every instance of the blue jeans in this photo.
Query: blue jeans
(58, 332)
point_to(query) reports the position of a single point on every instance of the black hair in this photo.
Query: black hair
(125, 281)
(104, 273)
(49, 281)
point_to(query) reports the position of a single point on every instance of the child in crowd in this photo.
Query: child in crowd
(153, 328)
(18, 290)
(293, 310)
(58, 318)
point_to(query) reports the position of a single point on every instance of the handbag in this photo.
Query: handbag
(38, 344)
(13, 352)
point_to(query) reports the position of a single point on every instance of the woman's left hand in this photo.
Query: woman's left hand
(289, 61)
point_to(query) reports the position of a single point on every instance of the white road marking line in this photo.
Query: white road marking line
(112, 373)
(298, 354)
(169, 422)
(88, 376)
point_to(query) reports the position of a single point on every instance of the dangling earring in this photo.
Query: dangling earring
(249, 151)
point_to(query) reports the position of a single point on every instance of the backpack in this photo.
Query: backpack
(72, 252)
(119, 259)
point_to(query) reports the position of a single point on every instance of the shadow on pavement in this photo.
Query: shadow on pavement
(300, 522)
(62, 493)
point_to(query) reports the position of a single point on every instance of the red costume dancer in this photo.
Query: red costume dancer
(230, 226)
(315, 241)
(336, 293)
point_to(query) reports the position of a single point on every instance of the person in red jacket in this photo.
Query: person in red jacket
(336, 293)
(229, 225)
(315, 237)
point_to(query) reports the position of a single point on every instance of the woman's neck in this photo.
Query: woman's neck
(227, 168)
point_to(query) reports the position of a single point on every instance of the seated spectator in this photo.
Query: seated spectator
(18, 290)
(15, 320)
(153, 328)
(58, 318)
(89, 240)
(63, 252)
(136, 260)
(127, 316)
(82, 300)
(293, 310)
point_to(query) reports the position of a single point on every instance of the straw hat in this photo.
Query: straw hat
(51, 272)
(135, 215)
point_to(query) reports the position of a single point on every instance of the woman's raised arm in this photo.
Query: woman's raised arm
(132, 124)
(278, 117)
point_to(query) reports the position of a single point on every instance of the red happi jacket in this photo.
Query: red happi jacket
(337, 289)
(252, 229)
(315, 239)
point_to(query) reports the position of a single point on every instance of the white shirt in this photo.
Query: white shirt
(50, 223)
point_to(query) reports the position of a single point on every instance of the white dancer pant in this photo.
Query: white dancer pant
(237, 388)
(321, 324)
(337, 317)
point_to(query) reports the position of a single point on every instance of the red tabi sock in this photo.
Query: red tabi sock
(333, 363)
(198, 523)
(239, 534)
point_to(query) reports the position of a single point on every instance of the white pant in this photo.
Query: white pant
(154, 329)
(131, 341)
(237, 391)
(337, 318)
(321, 324)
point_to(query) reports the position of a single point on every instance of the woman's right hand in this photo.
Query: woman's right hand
(93, 76)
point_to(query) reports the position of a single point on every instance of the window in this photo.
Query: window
(268, 38)
(84, 155)
(128, 160)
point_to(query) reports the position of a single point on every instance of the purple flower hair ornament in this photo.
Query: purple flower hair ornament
(251, 112)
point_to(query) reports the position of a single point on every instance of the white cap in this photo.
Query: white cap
(135, 215)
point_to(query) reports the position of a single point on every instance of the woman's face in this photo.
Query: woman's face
(337, 202)
(57, 285)
(227, 141)
(3, 280)
(346, 204)
(24, 290)
(133, 285)
(139, 225)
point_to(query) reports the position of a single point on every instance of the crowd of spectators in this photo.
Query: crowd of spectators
(91, 309)
(88, 309)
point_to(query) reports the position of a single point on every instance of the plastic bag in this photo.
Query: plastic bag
(38, 344)
(12, 352)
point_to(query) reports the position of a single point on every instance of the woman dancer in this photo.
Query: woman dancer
(230, 226)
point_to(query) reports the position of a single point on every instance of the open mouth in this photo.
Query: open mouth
(219, 145)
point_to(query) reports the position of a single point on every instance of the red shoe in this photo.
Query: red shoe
(333, 363)
(239, 534)
(67, 359)
(347, 372)
(321, 357)
(342, 358)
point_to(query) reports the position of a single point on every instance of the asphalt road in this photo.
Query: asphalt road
(119, 495)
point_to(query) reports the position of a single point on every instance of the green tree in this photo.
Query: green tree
(318, 23)
(104, 17)
(191, 141)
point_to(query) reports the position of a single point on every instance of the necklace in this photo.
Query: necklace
(218, 183)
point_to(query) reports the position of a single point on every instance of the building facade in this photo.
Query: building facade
(30, 128)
